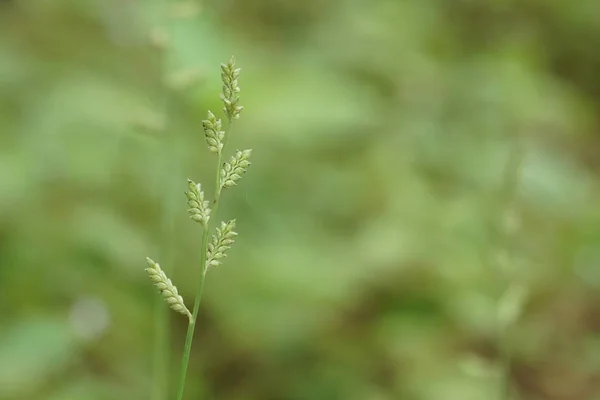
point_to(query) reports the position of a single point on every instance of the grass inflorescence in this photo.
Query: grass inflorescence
(202, 211)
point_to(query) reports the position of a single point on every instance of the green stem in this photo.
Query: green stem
(170, 149)
(509, 191)
(192, 325)
(218, 182)
(159, 381)
(219, 166)
(162, 315)
(203, 267)
(161, 350)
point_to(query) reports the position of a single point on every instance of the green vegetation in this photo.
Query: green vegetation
(421, 221)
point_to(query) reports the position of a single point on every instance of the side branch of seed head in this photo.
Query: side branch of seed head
(167, 289)
(233, 170)
(220, 243)
(198, 210)
(214, 133)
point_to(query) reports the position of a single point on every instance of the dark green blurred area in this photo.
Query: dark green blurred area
(376, 228)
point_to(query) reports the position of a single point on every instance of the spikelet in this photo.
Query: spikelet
(214, 135)
(233, 170)
(198, 210)
(229, 96)
(167, 289)
(220, 243)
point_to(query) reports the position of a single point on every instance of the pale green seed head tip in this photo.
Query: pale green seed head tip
(229, 95)
(229, 66)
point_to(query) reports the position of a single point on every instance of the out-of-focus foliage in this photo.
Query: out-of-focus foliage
(373, 222)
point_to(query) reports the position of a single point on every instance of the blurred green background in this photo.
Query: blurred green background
(411, 159)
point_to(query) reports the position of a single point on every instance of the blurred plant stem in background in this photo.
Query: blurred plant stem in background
(510, 301)
(168, 153)
(167, 253)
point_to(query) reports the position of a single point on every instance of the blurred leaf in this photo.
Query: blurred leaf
(32, 351)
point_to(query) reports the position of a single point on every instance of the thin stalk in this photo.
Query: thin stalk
(218, 182)
(161, 338)
(509, 191)
(203, 268)
(161, 313)
(169, 151)
(159, 381)
(192, 325)
(170, 155)
(219, 165)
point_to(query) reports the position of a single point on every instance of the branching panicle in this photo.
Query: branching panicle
(215, 249)
(198, 210)
(233, 170)
(229, 96)
(167, 289)
(220, 243)
(214, 135)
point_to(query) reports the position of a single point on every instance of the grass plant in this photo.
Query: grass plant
(213, 249)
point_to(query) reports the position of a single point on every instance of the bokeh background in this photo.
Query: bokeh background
(411, 160)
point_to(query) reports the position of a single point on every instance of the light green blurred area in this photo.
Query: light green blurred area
(380, 222)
